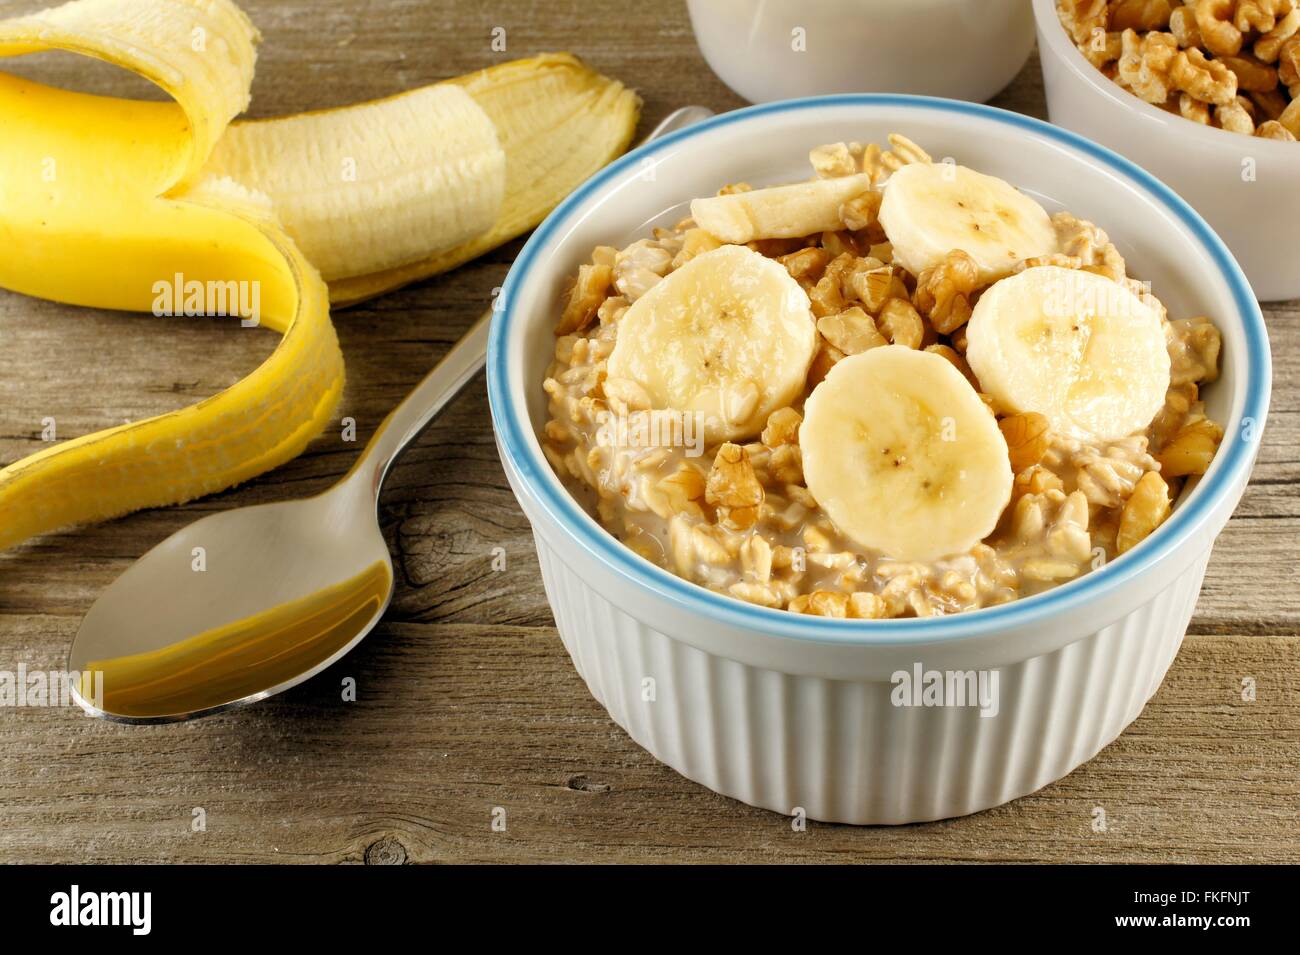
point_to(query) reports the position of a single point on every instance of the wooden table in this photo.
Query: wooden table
(466, 698)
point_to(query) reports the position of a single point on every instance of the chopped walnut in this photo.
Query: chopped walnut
(943, 292)
(1194, 345)
(864, 605)
(826, 358)
(1260, 15)
(1208, 80)
(1088, 243)
(1214, 23)
(1083, 19)
(1147, 508)
(827, 296)
(822, 603)
(842, 242)
(1252, 75)
(861, 211)
(1234, 117)
(589, 291)
(1290, 118)
(1027, 439)
(852, 331)
(1288, 65)
(1182, 24)
(1141, 15)
(1179, 402)
(901, 323)
(1192, 448)
(1274, 130)
(1035, 480)
(731, 481)
(782, 428)
(1269, 46)
(1189, 107)
(1146, 64)
(807, 265)
(873, 283)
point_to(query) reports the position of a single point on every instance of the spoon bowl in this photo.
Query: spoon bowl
(241, 605)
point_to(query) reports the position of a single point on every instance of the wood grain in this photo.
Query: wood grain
(466, 699)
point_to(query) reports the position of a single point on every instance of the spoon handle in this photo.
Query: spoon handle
(466, 359)
(405, 422)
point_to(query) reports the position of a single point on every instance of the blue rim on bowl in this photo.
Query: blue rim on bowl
(1231, 464)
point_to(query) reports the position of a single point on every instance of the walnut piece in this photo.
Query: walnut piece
(1192, 448)
(589, 292)
(1147, 508)
(943, 292)
(1027, 439)
(852, 331)
(731, 480)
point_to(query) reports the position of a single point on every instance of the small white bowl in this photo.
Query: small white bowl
(773, 49)
(1246, 187)
(788, 711)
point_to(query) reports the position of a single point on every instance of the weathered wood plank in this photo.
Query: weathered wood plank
(453, 720)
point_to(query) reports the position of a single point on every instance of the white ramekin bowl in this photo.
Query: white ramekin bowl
(1247, 188)
(776, 49)
(787, 711)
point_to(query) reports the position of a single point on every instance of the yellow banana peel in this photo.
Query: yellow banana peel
(138, 205)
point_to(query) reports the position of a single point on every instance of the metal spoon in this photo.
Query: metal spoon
(243, 604)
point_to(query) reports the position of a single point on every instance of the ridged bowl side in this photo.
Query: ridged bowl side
(841, 750)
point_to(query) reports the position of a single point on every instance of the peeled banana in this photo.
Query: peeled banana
(102, 198)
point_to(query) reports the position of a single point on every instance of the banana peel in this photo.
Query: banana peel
(104, 201)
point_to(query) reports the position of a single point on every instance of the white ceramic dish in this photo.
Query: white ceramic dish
(966, 49)
(787, 711)
(1247, 188)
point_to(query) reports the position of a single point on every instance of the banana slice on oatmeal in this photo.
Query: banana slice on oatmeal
(929, 209)
(1079, 348)
(728, 336)
(903, 455)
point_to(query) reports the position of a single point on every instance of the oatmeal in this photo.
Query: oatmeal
(899, 389)
(1234, 64)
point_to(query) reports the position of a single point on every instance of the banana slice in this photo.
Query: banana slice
(903, 456)
(781, 212)
(929, 209)
(729, 336)
(1082, 350)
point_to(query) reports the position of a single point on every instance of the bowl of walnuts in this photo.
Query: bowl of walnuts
(1205, 94)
